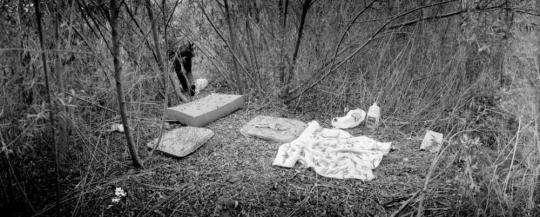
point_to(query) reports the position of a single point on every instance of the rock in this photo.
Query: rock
(282, 130)
(432, 141)
(205, 110)
(182, 141)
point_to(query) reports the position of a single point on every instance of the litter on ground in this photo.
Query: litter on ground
(182, 141)
(352, 119)
(116, 128)
(333, 153)
(200, 84)
(432, 141)
(205, 110)
(275, 129)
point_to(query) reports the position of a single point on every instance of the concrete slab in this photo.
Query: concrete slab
(205, 110)
(182, 141)
(281, 130)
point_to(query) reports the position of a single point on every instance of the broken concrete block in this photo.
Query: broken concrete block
(432, 141)
(205, 110)
(182, 141)
(280, 130)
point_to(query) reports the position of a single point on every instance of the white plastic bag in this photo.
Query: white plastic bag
(352, 119)
(200, 84)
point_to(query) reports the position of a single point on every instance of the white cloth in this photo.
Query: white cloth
(352, 119)
(333, 153)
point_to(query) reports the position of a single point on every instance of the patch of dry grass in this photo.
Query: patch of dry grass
(233, 168)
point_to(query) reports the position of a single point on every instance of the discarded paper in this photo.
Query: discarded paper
(432, 141)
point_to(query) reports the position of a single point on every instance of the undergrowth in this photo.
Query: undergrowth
(478, 91)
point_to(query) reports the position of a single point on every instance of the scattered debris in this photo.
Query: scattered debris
(205, 110)
(352, 119)
(432, 141)
(275, 129)
(182, 141)
(333, 153)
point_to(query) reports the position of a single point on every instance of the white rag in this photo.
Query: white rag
(333, 153)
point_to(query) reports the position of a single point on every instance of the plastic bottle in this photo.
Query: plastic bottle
(373, 116)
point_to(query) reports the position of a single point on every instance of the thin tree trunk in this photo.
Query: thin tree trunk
(114, 17)
(232, 39)
(282, 46)
(158, 52)
(60, 76)
(290, 73)
(49, 101)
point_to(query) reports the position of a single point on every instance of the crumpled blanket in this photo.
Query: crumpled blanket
(333, 153)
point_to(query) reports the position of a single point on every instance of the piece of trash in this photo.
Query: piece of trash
(352, 119)
(202, 111)
(200, 84)
(373, 116)
(119, 193)
(274, 129)
(432, 141)
(116, 128)
(182, 141)
(333, 153)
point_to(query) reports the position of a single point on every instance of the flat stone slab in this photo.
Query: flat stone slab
(182, 141)
(205, 110)
(282, 130)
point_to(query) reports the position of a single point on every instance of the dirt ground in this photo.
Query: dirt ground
(232, 175)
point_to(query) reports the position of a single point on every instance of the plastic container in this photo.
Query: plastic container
(373, 116)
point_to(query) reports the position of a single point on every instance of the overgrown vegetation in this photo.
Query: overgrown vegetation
(468, 69)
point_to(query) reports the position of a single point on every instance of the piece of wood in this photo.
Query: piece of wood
(205, 110)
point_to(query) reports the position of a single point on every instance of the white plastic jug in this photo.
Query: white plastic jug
(373, 116)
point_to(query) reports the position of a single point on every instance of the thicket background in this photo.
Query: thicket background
(468, 69)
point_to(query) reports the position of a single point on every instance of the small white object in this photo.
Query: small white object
(373, 116)
(352, 119)
(200, 84)
(119, 192)
(432, 141)
(117, 128)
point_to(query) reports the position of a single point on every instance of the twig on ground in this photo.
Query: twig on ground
(406, 203)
